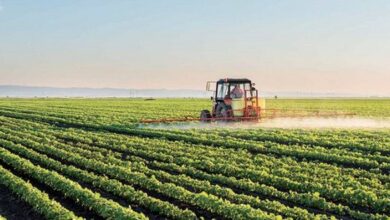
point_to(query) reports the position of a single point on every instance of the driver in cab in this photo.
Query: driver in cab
(236, 92)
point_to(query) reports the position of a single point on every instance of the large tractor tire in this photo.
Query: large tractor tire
(205, 116)
(224, 112)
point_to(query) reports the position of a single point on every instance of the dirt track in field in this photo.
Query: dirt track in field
(13, 208)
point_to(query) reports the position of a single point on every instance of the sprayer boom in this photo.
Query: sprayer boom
(265, 114)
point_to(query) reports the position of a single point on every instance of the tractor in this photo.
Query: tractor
(232, 100)
(238, 100)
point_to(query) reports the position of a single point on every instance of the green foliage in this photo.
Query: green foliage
(106, 208)
(80, 147)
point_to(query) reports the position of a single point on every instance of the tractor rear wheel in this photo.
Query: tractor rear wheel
(205, 116)
(224, 112)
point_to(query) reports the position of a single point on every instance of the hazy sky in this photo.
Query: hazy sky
(309, 46)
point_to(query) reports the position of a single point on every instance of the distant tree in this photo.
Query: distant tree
(276, 97)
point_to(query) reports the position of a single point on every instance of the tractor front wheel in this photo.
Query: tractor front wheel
(205, 116)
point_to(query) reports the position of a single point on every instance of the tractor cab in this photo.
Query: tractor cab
(233, 99)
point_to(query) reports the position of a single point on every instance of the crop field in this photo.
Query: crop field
(90, 159)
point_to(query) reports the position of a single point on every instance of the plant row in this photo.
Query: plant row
(110, 185)
(90, 200)
(37, 199)
(303, 199)
(204, 201)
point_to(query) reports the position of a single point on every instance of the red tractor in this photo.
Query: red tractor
(233, 100)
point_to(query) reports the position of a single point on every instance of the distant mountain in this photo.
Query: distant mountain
(30, 91)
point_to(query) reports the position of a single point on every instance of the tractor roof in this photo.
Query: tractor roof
(230, 80)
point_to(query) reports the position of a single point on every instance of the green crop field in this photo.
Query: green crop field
(89, 158)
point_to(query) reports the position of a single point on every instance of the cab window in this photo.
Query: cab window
(222, 90)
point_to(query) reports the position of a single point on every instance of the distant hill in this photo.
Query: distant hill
(31, 91)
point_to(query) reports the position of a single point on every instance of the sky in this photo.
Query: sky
(302, 46)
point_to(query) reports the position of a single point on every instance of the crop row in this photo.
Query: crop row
(37, 199)
(321, 174)
(96, 116)
(197, 185)
(208, 166)
(146, 153)
(194, 151)
(327, 193)
(295, 141)
(258, 159)
(333, 139)
(110, 185)
(205, 186)
(44, 160)
(103, 207)
(202, 200)
(228, 170)
(302, 152)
